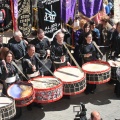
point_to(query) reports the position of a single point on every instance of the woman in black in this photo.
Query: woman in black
(89, 53)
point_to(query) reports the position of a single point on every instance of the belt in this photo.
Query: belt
(35, 74)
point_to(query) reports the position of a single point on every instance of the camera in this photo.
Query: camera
(81, 112)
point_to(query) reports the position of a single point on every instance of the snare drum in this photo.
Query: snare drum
(47, 89)
(97, 72)
(74, 80)
(22, 93)
(114, 65)
(7, 108)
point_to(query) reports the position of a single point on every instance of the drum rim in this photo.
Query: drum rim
(113, 66)
(12, 103)
(97, 72)
(75, 80)
(22, 97)
(61, 83)
(23, 105)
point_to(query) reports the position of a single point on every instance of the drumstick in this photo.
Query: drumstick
(29, 62)
(44, 81)
(72, 57)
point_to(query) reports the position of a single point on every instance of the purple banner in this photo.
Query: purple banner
(67, 9)
(90, 8)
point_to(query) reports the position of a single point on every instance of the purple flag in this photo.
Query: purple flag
(67, 9)
(90, 8)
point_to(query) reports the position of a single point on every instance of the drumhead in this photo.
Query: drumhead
(5, 101)
(19, 91)
(69, 73)
(114, 63)
(95, 67)
(44, 82)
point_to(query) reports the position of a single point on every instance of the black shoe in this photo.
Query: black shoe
(86, 92)
(38, 105)
(92, 92)
(29, 108)
(66, 97)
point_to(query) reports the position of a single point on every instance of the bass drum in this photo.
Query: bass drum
(97, 72)
(74, 80)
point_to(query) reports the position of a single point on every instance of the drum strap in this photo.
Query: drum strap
(96, 46)
(19, 69)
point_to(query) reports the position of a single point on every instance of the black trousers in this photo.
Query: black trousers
(90, 87)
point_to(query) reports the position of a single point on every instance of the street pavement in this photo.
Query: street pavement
(104, 100)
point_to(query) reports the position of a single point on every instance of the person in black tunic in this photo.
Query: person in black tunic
(89, 53)
(31, 67)
(9, 75)
(58, 52)
(42, 44)
(115, 44)
(17, 45)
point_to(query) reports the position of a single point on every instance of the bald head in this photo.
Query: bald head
(95, 115)
(60, 37)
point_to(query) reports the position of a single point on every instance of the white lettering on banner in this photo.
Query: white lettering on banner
(50, 15)
(51, 29)
(117, 10)
(48, 2)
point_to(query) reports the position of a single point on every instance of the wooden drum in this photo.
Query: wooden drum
(47, 89)
(7, 108)
(97, 72)
(23, 94)
(74, 80)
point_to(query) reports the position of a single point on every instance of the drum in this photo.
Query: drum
(114, 65)
(1, 88)
(7, 108)
(47, 89)
(74, 80)
(97, 72)
(23, 94)
(59, 64)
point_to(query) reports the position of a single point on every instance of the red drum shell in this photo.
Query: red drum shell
(24, 101)
(74, 87)
(97, 77)
(46, 95)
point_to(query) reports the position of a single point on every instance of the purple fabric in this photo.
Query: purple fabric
(15, 8)
(90, 8)
(67, 9)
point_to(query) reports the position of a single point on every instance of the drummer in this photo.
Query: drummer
(58, 51)
(89, 53)
(9, 74)
(42, 44)
(31, 67)
(8, 71)
(30, 64)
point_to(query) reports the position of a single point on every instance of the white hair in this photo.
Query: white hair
(17, 33)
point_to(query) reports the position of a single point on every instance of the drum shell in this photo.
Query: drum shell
(73, 88)
(8, 111)
(98, 77)
(24, 101)
(47, 95)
